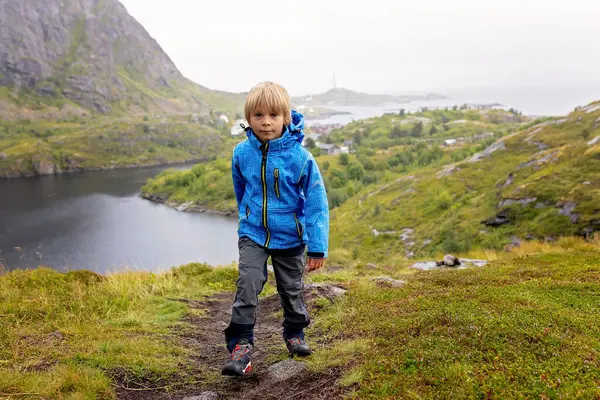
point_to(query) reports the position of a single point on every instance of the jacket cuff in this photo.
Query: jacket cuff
(316, 254)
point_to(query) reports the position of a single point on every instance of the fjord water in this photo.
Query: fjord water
(98, 221)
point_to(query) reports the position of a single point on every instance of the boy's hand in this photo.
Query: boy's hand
(314, 263)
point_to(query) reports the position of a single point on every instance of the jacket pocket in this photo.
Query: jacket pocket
(299, 227)
(276, 180)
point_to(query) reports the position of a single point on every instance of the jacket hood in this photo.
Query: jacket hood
(293, 133)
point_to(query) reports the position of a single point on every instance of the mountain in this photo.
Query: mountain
(345, 97)
(83, 86)
(90, 54)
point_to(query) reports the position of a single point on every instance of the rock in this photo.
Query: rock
(284, 370)
(406, 234)
(370, 266)
(508, 202)
(567, 210)
(410, 254)
(591, 108)
(377, 233)
(476, 263)
(508, 181)
(184, 206)
(594, 141)
(388, 281)
(501, 218)
(515, 243)
(550, 157)
(489, 151)
(450, 260)
(431, 265)
(424, 265)
(447, 171)
(203, 396)
(2, 156)
(325, 290)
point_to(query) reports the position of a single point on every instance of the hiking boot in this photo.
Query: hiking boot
(297, 346)
(240, 360)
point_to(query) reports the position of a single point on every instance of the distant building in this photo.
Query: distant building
(344, 150)
(348, 142)
(329, 148)
(449, 142)
(236, 129)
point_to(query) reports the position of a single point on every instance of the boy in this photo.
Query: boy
(282, 205)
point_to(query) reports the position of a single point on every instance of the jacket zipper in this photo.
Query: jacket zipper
(276, 173)
(247, 211)
(264, 184)
(299, 227)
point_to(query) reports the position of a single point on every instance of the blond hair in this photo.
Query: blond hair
(269, 96)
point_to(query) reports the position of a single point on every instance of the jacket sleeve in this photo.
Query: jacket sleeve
(239, 184)
(316, 209)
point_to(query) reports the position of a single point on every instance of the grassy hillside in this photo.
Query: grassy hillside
(523, 326)
(39, 147)
(384, 148)
(541, 182)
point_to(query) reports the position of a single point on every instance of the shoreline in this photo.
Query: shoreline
(100, 169)
(186, 207)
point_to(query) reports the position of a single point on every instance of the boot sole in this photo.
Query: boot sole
(300, 354)
(234, 372)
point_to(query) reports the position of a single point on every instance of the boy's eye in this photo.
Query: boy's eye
(258, 115)
(274, 115)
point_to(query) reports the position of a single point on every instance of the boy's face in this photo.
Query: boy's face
(267, 124)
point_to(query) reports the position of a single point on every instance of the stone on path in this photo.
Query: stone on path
(285, 370)
(388, 281)
(450, 260)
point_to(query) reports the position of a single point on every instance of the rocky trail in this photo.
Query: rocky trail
(272, 378)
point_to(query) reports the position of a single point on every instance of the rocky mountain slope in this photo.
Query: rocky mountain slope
(90, 54)
(84, 86)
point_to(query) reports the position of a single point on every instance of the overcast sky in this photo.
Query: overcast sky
(375, 46)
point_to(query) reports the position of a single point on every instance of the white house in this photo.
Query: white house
(236, 129)
(449, 142)
(344, 150)
(329, 148)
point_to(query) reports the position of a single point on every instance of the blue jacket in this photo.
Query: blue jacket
(280, 192)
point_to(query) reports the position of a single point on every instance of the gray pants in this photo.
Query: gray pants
(288, 268)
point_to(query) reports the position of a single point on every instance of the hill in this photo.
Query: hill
(541, 182)
(346, 97)
(439, 181)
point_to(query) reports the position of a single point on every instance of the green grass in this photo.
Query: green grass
(523, 326)
(520, 328)
(63, 335)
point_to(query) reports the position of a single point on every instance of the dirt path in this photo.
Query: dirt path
(205, 339)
